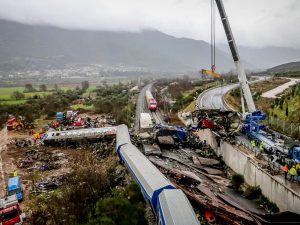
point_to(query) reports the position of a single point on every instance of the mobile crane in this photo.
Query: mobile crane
(252, 127)
(253, 117)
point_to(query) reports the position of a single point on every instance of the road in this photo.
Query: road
(274, 92)
(213, 98)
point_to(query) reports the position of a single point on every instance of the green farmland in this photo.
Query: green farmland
(6, 92)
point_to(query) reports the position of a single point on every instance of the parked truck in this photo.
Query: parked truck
(10, 212)
(14, 187)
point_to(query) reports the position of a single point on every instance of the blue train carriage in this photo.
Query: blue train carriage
(14, 187)
(155, 187)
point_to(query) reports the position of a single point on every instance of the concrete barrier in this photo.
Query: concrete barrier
(285, 198)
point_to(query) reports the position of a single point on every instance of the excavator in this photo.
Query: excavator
(18, 123)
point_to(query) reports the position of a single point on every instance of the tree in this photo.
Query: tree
(29, 88)
(237, 180)
(43, 87)
(17, 95)
(85, 85)
(124, 208)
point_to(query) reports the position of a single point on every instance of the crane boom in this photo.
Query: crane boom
(236, 58)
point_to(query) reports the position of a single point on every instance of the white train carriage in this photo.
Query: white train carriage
(91, 135)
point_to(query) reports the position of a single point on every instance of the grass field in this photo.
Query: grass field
(6, 92)
(261, 103)
(13, 102)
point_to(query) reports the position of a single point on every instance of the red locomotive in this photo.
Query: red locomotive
(151, 102)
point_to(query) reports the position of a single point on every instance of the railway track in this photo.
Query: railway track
(157, 117)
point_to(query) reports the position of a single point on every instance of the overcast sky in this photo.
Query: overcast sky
(254, 22)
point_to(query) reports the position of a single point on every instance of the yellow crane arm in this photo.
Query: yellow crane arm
(211, 73)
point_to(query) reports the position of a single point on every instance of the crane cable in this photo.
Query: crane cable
(213, 36)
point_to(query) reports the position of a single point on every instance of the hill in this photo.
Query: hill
(23, 46)
(266, 57)
(286, 68)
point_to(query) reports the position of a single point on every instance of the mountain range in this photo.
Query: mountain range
(22, 46)
(291, 67)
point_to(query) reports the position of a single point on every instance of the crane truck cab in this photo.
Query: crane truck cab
(294, 153)
(14, 187)
(10, 212)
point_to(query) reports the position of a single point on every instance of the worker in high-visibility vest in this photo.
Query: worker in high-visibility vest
(293, 173)
(261, 147)
(15, 173)
(285, 170)
(36, 136)
(253, 144)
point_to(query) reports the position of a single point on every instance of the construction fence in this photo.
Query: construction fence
(285, 127)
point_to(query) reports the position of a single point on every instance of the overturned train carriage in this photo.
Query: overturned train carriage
(78, 136)
(169, 204)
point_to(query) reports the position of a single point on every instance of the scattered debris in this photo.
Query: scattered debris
(204, 161)
(151, 149)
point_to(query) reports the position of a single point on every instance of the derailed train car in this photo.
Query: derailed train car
(78, 136)
(169, 204)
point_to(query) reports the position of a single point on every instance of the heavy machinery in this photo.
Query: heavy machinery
(18, 123)
(294, 154)
(245, 89)
(212, 73)
(10, 211)
(252, 118)
(66, 118)
(252, 126)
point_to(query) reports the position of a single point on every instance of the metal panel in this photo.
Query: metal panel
(175, 208)
(123, 136)
(80, 133)
(147, 175)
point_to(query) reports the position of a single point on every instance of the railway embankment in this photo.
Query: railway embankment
(275, 189)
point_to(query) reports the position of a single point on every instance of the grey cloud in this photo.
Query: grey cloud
(254, 23)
